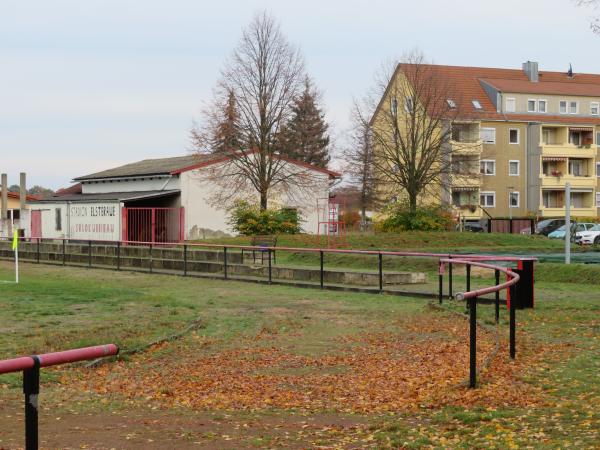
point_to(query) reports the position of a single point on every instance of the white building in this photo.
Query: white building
(158, 200)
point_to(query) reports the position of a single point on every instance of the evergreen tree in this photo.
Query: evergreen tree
(226, 137)
(304, 137)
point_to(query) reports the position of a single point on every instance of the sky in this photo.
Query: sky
(89, 85)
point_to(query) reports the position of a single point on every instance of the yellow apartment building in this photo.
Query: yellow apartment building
(520, 136)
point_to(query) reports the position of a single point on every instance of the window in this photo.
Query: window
(487, 167)
(476, 104)
(408, 104)
(511, 104)
(531, 105)
(562, 107)
(58, 219)
(513, 200)
(394, 106)
(487, 199)
(513, 136)
(573, 107)
(576, 167)
(451, 103)
(488, 135)
(513, 167)
(594, 108)
(598, 169)
(598, 199)
(542, 106)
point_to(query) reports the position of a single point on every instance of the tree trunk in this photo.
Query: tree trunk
(412, 202)
(263, 201)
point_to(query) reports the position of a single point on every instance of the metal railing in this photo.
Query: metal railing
(31, 365)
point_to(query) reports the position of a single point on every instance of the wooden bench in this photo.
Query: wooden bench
(263, 241)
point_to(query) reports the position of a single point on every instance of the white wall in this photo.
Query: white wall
(130, 185)
(197, 191)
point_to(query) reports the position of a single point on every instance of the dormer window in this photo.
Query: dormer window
(476, 104)
(394, 106)
(451, 103)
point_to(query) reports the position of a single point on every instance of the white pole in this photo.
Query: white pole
(568, 223)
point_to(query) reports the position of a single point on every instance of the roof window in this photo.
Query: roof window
(476, 104)
(451, 103)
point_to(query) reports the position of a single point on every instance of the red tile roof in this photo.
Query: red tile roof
(465, 84)
(17, 196)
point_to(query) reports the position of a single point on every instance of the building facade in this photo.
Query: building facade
(519, 137)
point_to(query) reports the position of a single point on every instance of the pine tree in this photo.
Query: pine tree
(226, 137)
(304, 137)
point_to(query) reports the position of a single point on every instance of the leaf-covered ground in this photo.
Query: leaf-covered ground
(277, 367)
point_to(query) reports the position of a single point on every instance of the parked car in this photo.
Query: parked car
(560, 232)
(547, 226)
(589, 237)
(474, 227)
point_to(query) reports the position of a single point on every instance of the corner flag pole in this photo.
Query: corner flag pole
(15, 247)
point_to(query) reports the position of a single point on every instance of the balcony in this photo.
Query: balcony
(559, 181)
(466, 180)
(465, 201)
(467, 148)
(575, 212)
(582, 203)
(569, 150)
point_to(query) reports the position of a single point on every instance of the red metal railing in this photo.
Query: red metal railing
(153, 225)
(30, 366)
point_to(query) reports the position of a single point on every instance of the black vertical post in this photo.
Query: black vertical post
(450, 278)
(38, 251)
(185, 260)
(468, 267)
(441, 283)
(380, 272)
(321, 271)
(225, 262)
(510, 226)
(473, 342)
(532, 225)
(118, 255)
(151, 262)
(31, 389)
(489, 223)
(497, 298)
(270, 268)
(64, 249)
(513, 324)
(89, 253)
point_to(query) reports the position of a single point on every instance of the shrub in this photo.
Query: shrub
(350, 218)
(249, 220)
(430, 218)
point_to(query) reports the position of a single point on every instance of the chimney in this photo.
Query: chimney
(23, 192)
(531, 70)
(4, 214)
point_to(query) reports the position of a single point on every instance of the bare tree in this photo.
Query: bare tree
(359, 157)
(412, 128)
(594, 4)
(263, 77)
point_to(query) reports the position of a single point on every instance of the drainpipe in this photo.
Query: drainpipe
(568, 223)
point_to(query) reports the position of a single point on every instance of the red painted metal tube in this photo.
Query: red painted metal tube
(55, 358)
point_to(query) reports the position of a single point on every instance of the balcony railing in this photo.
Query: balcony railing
(474, 147)
(558, 211)
(585, 151)
(559, 180)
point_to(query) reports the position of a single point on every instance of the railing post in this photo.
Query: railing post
(441, 283)
(513, 320)
(38, 251)
(118, 255)
(225, 262)
(468, 267)
(497, 298)
(270, 267)
(64, 251)
(450, 278)
(150, 254)
(532, 225)
(89, 253)
(31, 389)
(380, 265)
(321, 271)
(473, 342)
(185, 260)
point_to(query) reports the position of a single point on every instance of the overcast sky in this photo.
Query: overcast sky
(88, 84)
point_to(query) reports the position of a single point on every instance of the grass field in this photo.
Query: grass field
(271, 366)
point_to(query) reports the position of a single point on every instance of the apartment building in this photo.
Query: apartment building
(519, 137)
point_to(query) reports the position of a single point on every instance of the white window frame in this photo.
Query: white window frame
(518, 136)
(576, 107)
(518, 167)
(476, 104)
(534, 105)
(594, 105)
(409, 104)
(512, 100)
(597, 169)
(486, 193)
(485, 162)
(566, 103)
(545, 102)
(598, 199)
(394, 106)
(510, 195)
(488, 129)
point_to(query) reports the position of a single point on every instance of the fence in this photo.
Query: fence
(30, 366)
(513, 226)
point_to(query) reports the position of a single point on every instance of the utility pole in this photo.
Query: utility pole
(568, 223)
